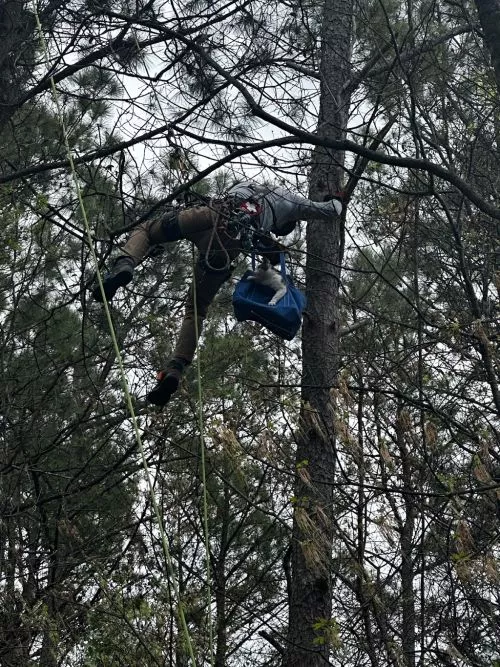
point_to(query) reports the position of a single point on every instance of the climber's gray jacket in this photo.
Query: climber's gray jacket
(281, 208)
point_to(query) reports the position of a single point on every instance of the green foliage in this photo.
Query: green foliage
(99, 86)
(83, 582)
(327, 632)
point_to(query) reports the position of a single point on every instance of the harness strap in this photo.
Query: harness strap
(282, 264)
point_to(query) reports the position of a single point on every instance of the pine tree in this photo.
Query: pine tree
(393, 550)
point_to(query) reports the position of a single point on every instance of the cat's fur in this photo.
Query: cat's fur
(266, 275)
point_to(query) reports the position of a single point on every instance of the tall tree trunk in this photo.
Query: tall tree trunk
(310, 628)
(368, 643)
(407, 554)
(16, 26)
(489, 17)
(19, 41)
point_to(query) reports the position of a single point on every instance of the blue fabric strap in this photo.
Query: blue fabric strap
(282, 262)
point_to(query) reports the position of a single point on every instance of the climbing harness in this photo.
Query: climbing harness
(236, 220)
(218, 225)
(251, 302)
(243, 221)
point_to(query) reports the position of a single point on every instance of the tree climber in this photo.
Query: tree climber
(241, 221)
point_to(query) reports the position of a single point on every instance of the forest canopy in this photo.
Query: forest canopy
(330, 500)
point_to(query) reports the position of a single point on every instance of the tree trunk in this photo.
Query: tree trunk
(310, 627)
(16, 25)
(407, 554)
(362, 536)
(19, 41)
(489, 17)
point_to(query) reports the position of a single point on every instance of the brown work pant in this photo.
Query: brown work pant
(203, 226)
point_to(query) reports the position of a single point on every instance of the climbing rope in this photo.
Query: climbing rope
(203, 465)
(88, 232)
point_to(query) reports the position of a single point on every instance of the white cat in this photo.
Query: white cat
(266, 275)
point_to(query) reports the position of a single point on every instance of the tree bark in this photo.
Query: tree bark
(489, 18)
(16, 26)
(310, 627)
(19, 41)
(408, 634)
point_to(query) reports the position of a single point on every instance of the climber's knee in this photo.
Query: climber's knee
(166, 229)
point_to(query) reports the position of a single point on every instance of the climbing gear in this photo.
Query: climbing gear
(203, 468)
(251, 302)
(209, 261)
(243, 221)
(204, 262)
(120, 276)
(167, 383)
(342, 196)
(205, 265)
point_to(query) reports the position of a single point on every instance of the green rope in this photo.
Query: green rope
(166, 550)
(203, 467)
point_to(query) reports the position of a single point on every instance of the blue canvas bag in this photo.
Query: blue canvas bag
(251, 302)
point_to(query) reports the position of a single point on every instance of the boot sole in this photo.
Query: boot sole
(161, 394)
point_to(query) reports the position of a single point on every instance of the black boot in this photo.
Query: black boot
(121, 275)
(168, 382)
